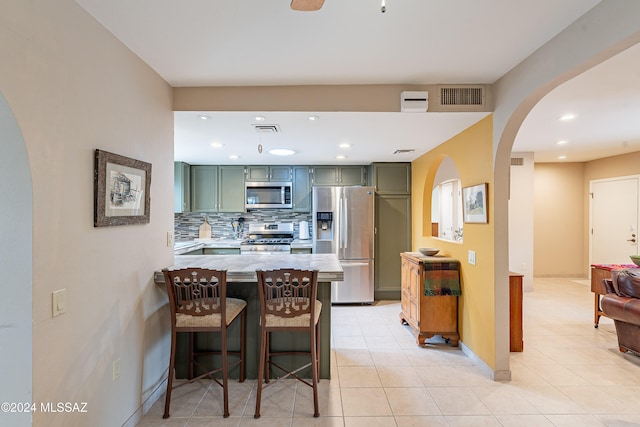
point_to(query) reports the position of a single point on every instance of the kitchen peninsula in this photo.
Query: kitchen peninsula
(242, 283)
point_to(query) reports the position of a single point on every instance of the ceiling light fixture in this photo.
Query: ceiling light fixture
(341, 157)
(383, 7)
(260, 118)
(345, 145)
(234, 156)
(561, 142)
(217, 144)
(568, 116)
(203, 117)
(562, 157)
(313, 118)
(281, 152)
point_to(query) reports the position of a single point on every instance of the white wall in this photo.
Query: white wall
(15, 265)
(521, 214)
(73, 88)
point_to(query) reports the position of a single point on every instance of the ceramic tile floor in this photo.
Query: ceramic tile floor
(570, 374)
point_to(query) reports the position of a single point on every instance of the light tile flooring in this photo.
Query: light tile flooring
(570, 374)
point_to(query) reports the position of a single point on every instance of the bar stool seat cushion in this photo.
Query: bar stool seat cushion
(234, 308)
(298, 321)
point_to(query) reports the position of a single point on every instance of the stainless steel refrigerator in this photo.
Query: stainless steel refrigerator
(343, 225)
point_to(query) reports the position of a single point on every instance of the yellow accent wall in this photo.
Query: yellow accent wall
(472, 153)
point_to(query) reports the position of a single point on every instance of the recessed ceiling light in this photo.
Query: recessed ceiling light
(341, 157)
(568, 116)
(217, 144)
(345, 145)
(562, 157)
(313, 118)
(234, 156)
(561, 142)
(260, 118)
(281, 152)
(203, 117)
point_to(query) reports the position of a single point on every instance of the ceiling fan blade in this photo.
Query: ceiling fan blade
(306, 5)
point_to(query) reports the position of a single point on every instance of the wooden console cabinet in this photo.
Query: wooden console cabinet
(427, 315)
(516, 342)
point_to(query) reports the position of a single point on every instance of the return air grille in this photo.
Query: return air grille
(461, 96)
(267, 128)
(403, 151)
(517, 161)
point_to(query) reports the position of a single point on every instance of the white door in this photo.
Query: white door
(614, 220)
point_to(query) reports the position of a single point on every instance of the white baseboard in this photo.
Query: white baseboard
(486, 369)
(147, 403)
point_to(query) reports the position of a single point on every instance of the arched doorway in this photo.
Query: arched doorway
(16, 266)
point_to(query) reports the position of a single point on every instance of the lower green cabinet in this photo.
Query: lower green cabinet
(221, 251)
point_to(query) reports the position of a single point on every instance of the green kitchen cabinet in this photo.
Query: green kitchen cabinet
(353, 175)
(301, 189)
(340, 175)
(264, 173)
(221, 251)
(231, 189)
(204, 188)
(393, 236)
(300, 250)
(181, 187)
(391, 178)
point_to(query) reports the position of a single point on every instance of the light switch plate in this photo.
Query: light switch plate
(472, 257)
(58, 302)
(169, 239)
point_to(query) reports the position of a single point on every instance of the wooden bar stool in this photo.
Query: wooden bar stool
(288, 303)
(199, 303)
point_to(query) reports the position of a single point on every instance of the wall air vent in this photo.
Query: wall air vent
(517, 161)
(403, 151)
(462, 98)
(267, 128)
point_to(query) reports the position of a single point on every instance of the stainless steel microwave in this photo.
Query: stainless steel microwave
(268, 195)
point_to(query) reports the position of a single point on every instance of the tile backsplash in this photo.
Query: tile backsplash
(187, 224)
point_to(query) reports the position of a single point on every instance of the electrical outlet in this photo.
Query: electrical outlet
(472, 257)
(169, 239)
(58, 302)
(116, 369)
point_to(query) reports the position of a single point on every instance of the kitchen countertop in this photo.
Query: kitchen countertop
(180, 248)
(299, 243)
(192, 245)
(242, 268)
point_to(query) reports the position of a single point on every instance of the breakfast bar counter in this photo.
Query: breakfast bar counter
(242, 283)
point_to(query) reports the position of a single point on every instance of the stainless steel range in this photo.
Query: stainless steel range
(268, 238)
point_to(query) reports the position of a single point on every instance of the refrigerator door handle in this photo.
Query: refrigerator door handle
(345, 215)
(340, 224)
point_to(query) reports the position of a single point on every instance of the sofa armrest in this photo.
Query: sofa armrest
(608, 286)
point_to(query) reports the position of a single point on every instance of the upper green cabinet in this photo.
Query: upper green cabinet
(231, 189)
(340, 175)
(268, 173)
(391, 178)
(181, 187)
(217, 188)
(204, 188)
(301, 189)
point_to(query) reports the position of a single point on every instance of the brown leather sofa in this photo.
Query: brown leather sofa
(622, 304)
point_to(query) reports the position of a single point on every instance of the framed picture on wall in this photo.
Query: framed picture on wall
(474, 200)
(121, 190)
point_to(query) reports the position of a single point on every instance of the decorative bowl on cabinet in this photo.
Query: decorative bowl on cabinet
(429, 251)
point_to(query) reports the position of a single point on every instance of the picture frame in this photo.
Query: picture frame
(121, 190)
(474, 200)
